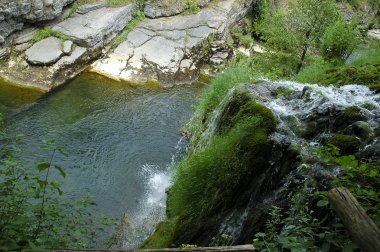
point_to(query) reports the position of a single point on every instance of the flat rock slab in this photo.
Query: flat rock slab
(96, 27)
(168, 50)
(45, 52)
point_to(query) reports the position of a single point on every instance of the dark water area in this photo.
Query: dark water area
(115, 136)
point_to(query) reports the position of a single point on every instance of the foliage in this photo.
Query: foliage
(340, 39)
(34, 211)
(47, 32)
(308, 223)
(191, 7)
(292, 34)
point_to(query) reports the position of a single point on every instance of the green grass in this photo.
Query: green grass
(47, 32)
(364, 69)
(118, 3)
(233, 155)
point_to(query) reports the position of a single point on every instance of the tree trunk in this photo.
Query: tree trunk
(304, 51)
(359, 225)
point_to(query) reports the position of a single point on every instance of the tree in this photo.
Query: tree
(292, 33)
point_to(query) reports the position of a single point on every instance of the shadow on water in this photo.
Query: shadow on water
(111, 132)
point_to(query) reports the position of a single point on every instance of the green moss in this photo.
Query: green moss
(162, 236)
(347, 144)
(47, 32)
(350, 115)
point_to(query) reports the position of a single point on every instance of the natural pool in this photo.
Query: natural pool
(120, 140)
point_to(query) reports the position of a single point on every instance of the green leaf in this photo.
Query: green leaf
(43, 166)
(322, 203)
(373, 173)
(42, 183)
(63, 174)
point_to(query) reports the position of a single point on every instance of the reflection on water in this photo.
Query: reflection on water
(112, 133)
(16, 98)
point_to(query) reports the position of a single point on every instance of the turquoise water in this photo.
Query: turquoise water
(116, 137)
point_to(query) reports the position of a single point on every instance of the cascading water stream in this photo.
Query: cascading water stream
(296, 106)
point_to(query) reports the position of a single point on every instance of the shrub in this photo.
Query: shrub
(339, 40)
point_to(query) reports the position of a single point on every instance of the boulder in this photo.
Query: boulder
(14, 14)
(46, 52)
(95, 28)
(67, 46)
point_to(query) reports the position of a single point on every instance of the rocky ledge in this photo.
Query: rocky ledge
(167, 50)
(171, 50)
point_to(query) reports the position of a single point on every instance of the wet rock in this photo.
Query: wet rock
(46, 52)
(361, 129)
(96, 27)
(155, 9)
(67, 46)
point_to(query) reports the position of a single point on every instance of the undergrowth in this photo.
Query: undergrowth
(47, 32)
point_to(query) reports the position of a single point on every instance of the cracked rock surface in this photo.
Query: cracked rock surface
(170, 50)
(96, 27)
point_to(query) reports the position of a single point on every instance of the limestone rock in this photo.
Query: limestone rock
(95, 27)
(67, 46)
(374, 34)
(13, 14)
(4, 52)
(90, 7)
(25, 36)
(171, 50)
(46, 52)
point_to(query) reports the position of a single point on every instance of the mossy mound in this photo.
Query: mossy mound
(367, 75)
(347, 144)
(350, 115)
(210, 180)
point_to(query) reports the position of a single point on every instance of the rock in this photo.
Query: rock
(13, 14)
(170, 50)
(4, 52)
(83, 9)
(76, 54)
(67, 46)
(46, 52)
(219, 58)
(25, 36)
(22, 47)
(155, 9)
(96, 27)
(374, 34)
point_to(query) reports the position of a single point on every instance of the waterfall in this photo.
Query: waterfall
(151, 210)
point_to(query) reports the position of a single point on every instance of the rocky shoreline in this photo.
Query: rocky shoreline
(167, 50)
